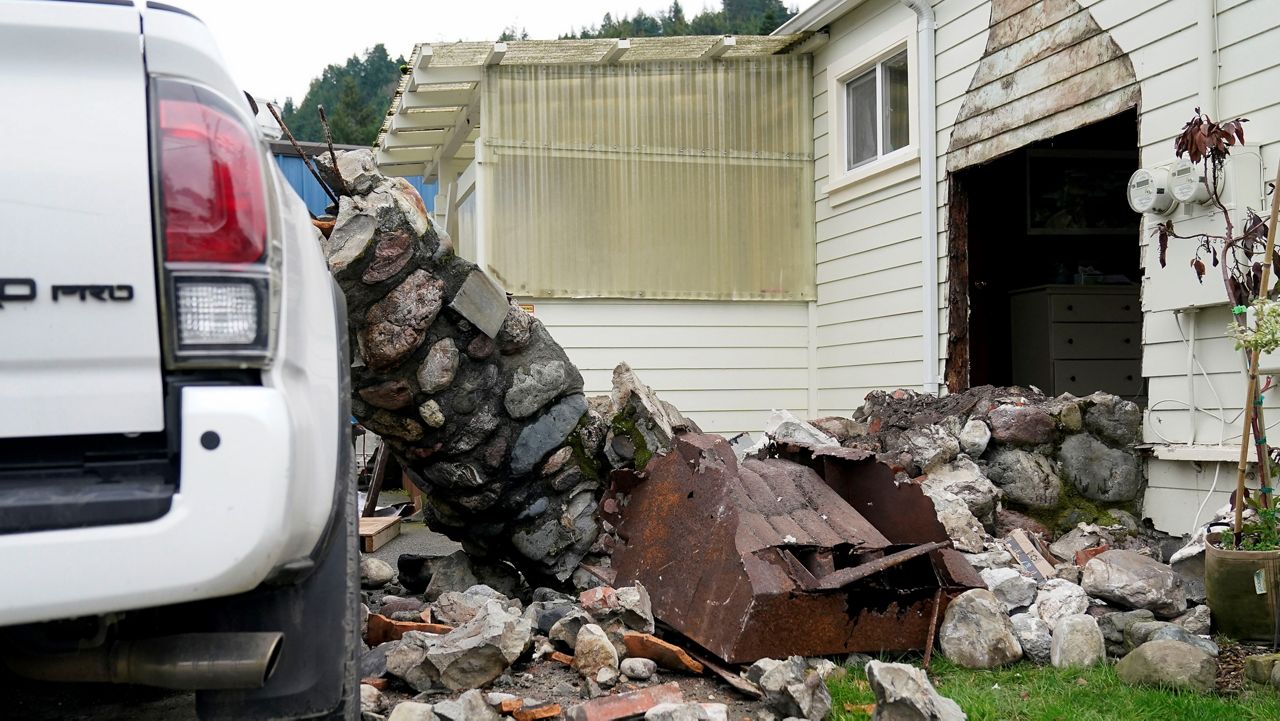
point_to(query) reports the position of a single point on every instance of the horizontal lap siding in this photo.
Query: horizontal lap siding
(868, 256)
(1161, 39)
(726, 365)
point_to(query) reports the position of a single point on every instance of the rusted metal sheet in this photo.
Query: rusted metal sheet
(765, 558)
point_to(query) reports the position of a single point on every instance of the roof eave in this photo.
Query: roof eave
(816, 16)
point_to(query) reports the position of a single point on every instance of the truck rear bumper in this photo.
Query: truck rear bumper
(221, 536)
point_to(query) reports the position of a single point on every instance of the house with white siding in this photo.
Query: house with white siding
(884, 194)
(992, 242)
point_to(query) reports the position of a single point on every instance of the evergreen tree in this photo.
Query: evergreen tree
(673, 22)
(355, 96)
(735, 17)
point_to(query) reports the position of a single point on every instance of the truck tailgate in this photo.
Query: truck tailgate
(79, 327)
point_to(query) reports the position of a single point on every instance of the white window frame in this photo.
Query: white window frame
(868, 55)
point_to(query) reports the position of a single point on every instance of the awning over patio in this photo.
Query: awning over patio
(434, 117)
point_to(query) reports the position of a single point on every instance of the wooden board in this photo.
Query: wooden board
(376, 531)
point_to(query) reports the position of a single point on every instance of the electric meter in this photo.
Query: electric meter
(1186, 182)
(1149, 191)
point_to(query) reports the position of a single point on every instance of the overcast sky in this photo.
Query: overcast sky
(275, 47)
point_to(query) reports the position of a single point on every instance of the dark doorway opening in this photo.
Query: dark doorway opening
(1045, 250)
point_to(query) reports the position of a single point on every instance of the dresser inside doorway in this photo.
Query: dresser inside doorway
(1078, 339)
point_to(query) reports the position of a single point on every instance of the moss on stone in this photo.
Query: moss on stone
(624, 424)
(587, 463)
(1074, 508)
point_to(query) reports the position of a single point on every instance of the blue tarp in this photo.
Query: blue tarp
(295, 171)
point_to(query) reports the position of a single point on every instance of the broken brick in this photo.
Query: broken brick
(378, 683)
(598, 600)
(534, 713)
(626, 705)
(382, 629)
(561, 657)
(666, 655)
(1082, 557)
(508, 705)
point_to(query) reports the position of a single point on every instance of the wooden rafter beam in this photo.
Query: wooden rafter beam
(720, 47)
(427, 97)
(495, 55)
(446, 74)
(424, 58)
(436, 119)
(414, 138)
(615, 53)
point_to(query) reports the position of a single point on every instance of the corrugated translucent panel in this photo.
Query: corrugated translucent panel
(651, 180)
(465, 243)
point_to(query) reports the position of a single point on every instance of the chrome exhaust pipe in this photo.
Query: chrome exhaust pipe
(189, 661)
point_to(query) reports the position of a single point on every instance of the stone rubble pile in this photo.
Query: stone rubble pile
(1012, 455)
(441, 654)
(1064, 472)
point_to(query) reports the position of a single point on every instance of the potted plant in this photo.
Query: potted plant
(1242, 569)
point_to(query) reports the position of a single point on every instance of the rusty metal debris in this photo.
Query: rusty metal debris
(807, 551)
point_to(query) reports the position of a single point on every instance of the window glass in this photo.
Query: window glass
(860, 95)
(894, 101)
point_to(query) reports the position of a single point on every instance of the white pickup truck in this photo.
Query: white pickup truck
(176, 501)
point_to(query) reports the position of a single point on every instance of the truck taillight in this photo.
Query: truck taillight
(212, 225)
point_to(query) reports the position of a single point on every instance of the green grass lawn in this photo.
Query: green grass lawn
(1028, 692)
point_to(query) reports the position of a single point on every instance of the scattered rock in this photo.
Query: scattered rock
(1034, 635)
(997, 558)
(1083, 536)
(790, 688)
(1007, 520)
(1099, 472)
(1011, 587)
(903, 693)
(640, 669)
(974, 438)
(456, 608)
(459, 572)
(841, 429)
(1197, 621)
(1114, 625)
(371, 700)
(1058, 598)
(976, 631)
(1178, 633)
(963, 478)
(1021, 425)
(1077, 642)
(565, 631)
(1170, 664)
(965, 531)
(593, 651)
(1025, 478)
(470, 706)
(677, 712)
(1139, 632)
(375, 573)
(412, 711)
(1067, 572)
(930, 446)
(1136, 581)
(637, 611)
(470, 656)
(1260, 668)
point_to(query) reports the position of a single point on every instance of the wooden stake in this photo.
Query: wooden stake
(1251, 399)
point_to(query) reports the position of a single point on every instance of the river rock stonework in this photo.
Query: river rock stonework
(469, 392)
